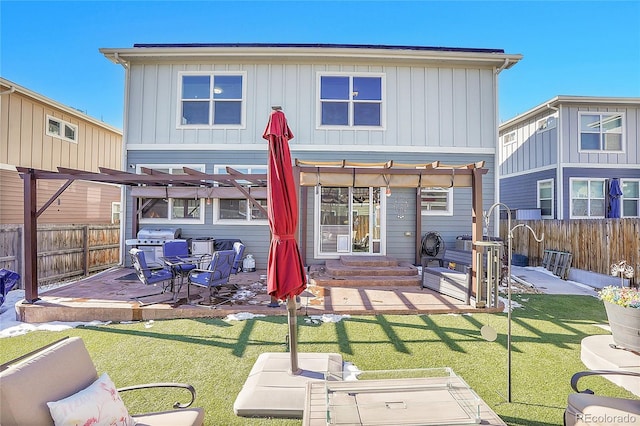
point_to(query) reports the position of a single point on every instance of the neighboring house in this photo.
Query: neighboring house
(205, 106)
(40, 133)
(561, 156)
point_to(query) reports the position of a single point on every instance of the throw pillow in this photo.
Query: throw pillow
(98, 404)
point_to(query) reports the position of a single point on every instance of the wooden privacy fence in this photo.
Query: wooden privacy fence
(64, 251)
(594, 243)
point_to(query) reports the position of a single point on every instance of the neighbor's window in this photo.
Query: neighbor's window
(158, 210)
(509, 138)
(546, 124)
(64, 130)
(240, 210)
(436, 201)
(115, 212)
(211, 99)
(351, 100)
(545, 198)
(630, 198)
(601, 132)
(587, 198)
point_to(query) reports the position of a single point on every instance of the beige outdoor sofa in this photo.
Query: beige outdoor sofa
(585, 409)
(63, 370)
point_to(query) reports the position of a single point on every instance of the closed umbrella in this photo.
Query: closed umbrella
(614, 200)
(286, 277)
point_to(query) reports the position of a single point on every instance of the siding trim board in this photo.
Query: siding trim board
(296, 147)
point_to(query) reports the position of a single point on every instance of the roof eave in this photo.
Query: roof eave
(301, 53)
(565, 100)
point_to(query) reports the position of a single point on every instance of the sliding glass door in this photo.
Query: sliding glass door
(349, 221)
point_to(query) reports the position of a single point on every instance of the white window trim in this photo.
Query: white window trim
(200, 220)
(243, 111)
(447, 212)
(383, 101)
(511, 134)
(622, 197)
(571, 180)
(62, 124)
(553, 198)
(250, 168)
(547, 123)
(116, 209)
(603, 151)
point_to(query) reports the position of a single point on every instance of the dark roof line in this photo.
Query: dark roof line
(324, 45)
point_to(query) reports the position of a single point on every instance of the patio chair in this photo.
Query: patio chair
(216, 277)
(173, 251)
(238, 247)
(150, 275)
(583, 407)
(8, 280)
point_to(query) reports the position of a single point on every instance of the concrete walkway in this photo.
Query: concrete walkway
(546, 282)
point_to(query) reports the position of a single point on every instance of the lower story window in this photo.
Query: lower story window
(172, 208)
(545, 198)
(587, 198)
(630, 198)
(436, 201)
(241, 210)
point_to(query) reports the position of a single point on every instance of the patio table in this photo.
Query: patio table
(175, 263)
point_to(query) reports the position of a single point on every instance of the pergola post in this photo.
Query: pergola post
(476, 227)
(30, 279)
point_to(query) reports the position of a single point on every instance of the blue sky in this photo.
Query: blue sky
(586, 48)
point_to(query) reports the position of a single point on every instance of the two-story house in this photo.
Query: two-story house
(205, 107)
(41, 133)
(562, 156)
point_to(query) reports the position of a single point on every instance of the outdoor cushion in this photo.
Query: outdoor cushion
(585, 409)
(99, 403)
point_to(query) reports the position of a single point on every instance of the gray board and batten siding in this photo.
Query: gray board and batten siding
(521, 191)
(401, 202)
(538, 149)
(427, 108)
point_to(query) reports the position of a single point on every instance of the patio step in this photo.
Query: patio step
(366, 281)
(338, 268)
(365, 271)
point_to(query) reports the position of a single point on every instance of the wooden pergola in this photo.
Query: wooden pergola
(192, 183)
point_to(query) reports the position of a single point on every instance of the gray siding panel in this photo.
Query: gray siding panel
(425, 107)
(520, 192)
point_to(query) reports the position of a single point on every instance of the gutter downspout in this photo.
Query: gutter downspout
(125, 190)
(559, 173)
(122, 62)
(498, 150)
(503, 66)
(8, 92)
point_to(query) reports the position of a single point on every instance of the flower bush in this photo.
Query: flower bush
(623, 296)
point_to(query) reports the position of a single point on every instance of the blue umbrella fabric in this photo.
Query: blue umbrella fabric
(615, 192)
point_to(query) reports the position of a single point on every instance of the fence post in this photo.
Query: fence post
(85, 248)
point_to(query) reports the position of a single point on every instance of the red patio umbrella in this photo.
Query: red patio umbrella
(286, 277)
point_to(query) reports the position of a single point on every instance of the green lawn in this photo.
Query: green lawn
(215, 356)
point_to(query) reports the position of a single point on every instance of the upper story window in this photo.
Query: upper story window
(630, 198)
(587, 198)
(601, 132)
(61, 129)
(164, 210)
(436, 201)
(545, 198)
(351, 100)
(211, 99)
(509, 138)
(546, 124)
(240, 210)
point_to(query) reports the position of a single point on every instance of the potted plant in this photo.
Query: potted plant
(623, 311)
